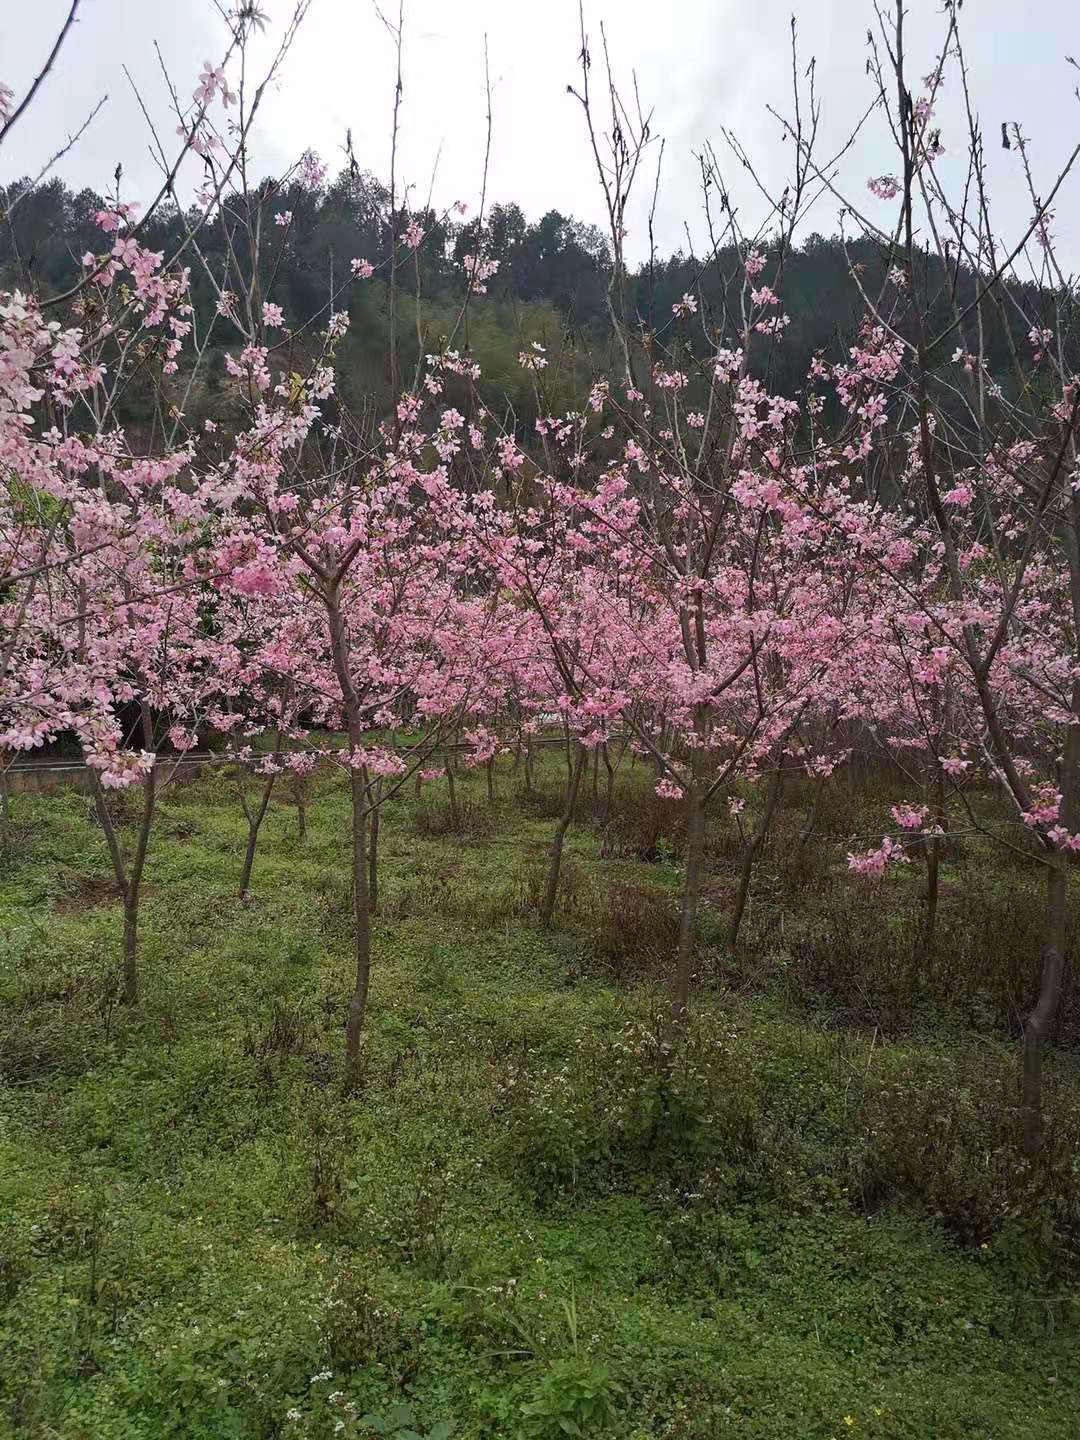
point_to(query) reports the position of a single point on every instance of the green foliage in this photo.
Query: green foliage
(573, 1398)
(638, 1098)
(400, 1424)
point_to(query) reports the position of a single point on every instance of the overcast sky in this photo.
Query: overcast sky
(700, 64)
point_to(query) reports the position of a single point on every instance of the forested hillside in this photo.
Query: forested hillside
(549, 283)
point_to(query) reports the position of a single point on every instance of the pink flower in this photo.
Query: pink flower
(312, 170)
(272, 315)
(909, 817)
(885, 187)
(362, 269)
(283, 217)
(414, 234)
(873, 863)
(754, 263)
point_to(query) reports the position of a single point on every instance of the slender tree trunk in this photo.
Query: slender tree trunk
(811, 824)
(129, 954)
(551, 887)
(934, 843)
(1040, 1022)
(359, 792)
(249, 858)
(129, 880)
(5, 812)
(373, 851)
(490, 768)
(133, 891)
(933, 886)
(455, 814)
(695, 864)
(131, 948)
(255, 819)
(528, 766)
(750, 854)
(610, 791)
(362, 923)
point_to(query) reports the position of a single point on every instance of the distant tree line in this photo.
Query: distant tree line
(550, 287)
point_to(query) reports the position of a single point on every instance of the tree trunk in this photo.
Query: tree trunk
(249, 857)
(933, 885)
(490, 768)
(695, 864)
(362, 924)
(934, 843)
(609, 794)
(750, 854)
(131, 948)
(528, 767)
(811, 824)
(455, 814)
(373, 851)
(5, 812)
(547, 911)
(359, 790)
(1040, 1022)
(135, 873)
(255, 819)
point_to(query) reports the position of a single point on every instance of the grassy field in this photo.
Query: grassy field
(526, 1220)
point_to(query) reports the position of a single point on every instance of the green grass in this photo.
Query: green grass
(519, 1222)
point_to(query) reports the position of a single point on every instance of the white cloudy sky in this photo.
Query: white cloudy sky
(701, 64)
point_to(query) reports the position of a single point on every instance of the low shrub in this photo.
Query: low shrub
(644, 826)
(628, 1103)
(572, 895)
(574, 1397)
(946, 1138)
(361, 1331)
(984, 963)
(859, 959)
(286, 1032)
(634, 930)
(472, 819)
(546, 802)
